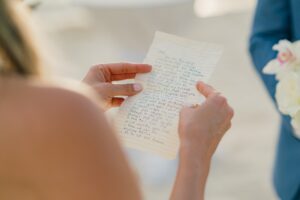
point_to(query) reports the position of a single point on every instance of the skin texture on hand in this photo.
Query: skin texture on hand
(200, 130)
(101, 78)
(204, 126)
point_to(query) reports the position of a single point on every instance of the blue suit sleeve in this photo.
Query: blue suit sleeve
(272, 22)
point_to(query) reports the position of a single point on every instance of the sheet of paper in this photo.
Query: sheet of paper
(149, 121)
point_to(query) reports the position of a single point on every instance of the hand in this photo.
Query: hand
(100, 77)
(201, 128)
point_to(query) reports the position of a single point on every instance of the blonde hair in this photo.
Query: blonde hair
(18, 54)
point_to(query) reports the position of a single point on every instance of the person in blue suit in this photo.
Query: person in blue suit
(275, 20)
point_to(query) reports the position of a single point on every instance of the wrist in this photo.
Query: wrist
(194, 168)
(194, 159)
(193, 150)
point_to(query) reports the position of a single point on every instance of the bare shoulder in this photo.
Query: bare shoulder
(50, 96)
(44, 101)
(61, 141)
(43, 110)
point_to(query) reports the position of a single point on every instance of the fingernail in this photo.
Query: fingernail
(200, 83)
(137, 87)
(149, 67)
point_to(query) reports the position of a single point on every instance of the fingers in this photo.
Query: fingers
(224, 111)
(230, 112)
(213, 97)
(119, 77)
(116, 102)
(124, 89)
(220, 103)
(205, 89)
(215, 102)
(217, 99)
(127, 68)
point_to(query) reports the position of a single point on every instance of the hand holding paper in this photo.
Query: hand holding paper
(149, 121)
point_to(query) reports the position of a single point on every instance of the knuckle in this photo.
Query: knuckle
(219, 99)
(96, 67)
(222, 100)
(106, 85)
(230, 112)
(215, 96)
(124, 68)
(103, 87)
(228, 127)
(129, 88)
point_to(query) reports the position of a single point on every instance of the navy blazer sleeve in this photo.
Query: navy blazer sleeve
(272, 22)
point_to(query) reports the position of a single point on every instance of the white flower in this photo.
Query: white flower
(287, 59)
(286, 52)
(286, 67)
(273, 67)
(288, 94)
(296, 50)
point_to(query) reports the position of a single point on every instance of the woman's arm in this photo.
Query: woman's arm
(191, 178)
(200, 129)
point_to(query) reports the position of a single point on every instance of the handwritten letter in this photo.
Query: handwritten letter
(149, 121)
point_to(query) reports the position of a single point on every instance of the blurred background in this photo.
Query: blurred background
(81, 33)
